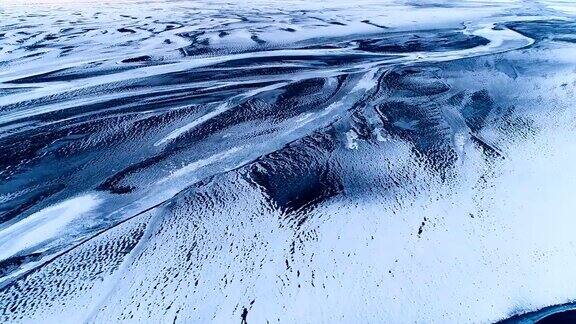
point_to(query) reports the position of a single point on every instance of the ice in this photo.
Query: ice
(296, 161)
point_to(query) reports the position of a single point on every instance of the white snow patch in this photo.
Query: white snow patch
(45, 225)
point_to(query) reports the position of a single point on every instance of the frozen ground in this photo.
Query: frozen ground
(295, 161)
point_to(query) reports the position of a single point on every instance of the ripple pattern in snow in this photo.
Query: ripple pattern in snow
(202, 161)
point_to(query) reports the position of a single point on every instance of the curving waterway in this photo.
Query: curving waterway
(197, 161)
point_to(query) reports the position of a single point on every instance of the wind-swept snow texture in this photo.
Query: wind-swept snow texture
(287, 161)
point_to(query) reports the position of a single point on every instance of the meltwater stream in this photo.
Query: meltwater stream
(196, 161)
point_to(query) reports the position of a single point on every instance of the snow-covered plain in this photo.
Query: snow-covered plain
(294, 161)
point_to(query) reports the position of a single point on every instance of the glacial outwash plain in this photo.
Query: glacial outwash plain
(267, 161)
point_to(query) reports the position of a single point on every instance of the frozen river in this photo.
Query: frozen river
(294, 161)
